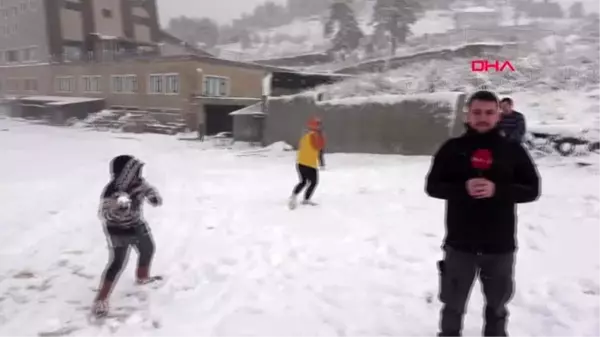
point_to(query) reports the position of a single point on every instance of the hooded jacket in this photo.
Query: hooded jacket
(482, 225)
(126, 180)
(513, 126)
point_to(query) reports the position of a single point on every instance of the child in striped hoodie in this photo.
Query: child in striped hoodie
(121, 212)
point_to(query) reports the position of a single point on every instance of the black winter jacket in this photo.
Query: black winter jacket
(126, 180)
(482, 225)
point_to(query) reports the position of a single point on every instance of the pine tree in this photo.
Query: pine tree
(343, 26)
(395, 17)
(576, 10)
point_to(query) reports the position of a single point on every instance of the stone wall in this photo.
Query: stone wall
(390, 124)
(474, 50)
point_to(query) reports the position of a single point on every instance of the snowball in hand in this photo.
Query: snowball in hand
(123, 201)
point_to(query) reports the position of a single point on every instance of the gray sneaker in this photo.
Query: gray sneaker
(292, 203)
(100, 308)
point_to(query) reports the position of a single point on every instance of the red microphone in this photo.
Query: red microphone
(481, 160)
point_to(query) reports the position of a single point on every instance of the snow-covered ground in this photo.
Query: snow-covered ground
(239, 262)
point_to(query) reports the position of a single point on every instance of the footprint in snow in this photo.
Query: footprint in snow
(62, 331)
(589, 287)
(73, 252)
(45, 285)
(24, 274)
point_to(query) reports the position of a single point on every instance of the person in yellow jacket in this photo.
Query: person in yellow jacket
(309, 152)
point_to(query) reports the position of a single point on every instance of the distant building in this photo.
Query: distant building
(114, 51)
(52, 30)
(199, 91)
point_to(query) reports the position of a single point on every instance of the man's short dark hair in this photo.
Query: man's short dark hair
(483, 95)
(507, 100)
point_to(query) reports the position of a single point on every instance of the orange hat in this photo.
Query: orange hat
(314, 123)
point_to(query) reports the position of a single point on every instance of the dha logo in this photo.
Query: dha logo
(478, 66)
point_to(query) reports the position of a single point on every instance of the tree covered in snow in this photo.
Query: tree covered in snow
(245, 39)
(343, 27)
(195, 30)
(576, 10)
(394, 17)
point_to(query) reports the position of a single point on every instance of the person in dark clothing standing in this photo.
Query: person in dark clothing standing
(121, 212)
(481, 175)
(512, 123)
(322, 152)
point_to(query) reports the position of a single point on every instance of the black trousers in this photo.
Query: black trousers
(308, 175)
(120, 246)
(457, 273)
(322, 158)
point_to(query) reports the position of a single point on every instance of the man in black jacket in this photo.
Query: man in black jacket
(512, 123)
(481, 175)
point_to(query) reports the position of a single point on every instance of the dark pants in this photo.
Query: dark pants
(120, 247)
(322, 158)
(458, 271)
(310, 176)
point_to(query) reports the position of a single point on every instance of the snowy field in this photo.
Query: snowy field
(239, 262)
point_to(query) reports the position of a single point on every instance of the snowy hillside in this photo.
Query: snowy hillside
(558, 82)
(239, 263)
(305, 36)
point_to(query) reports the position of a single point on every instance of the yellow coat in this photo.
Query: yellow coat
(309, 149)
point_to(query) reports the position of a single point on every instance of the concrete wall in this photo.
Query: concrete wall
(113, 25)
(71, 22)
(299, 60)
(248, 128)
(409, 125)
(381, 64)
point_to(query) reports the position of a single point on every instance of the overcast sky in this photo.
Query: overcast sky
(224, 11)
(221, 11)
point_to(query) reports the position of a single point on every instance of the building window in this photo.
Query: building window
(30, 84)
(125, 84)
(164, 84)
(12, 84)
(71, 53)
(24, 6)
(117, 84)
(12, 56)
(172, 84)
(156, 85)
(64, 84)
(29, 54)
(13, 28)
(131, 84)
(107, 13)
(215, 86)
(92, 84)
